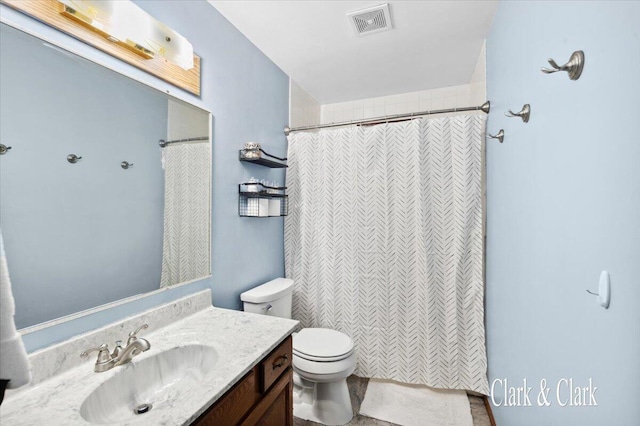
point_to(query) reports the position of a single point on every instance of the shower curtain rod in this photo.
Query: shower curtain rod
(485, 107)
(164, 143)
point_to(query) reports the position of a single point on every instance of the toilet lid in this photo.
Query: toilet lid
(319, 343)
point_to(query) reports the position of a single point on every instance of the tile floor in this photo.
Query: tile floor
(357, 388)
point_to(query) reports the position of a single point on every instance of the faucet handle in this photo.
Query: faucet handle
(103, 352)
(104, 361)
(134, 334)
(117, 350)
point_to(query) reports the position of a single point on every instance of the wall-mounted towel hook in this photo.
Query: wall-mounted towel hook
(573, 67)
(604, 290)
(4, 149)
(499, 136)
(125, 165)
(72, 158)
(524, 113)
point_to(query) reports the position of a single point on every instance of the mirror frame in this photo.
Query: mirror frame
(120, 69)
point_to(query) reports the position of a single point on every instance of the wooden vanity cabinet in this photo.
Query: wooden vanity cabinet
(264, 396)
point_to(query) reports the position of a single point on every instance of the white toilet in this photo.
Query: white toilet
(322, 358)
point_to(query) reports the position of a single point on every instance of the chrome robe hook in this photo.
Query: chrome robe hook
(499, 136)
(125, 165)
(4, 149)
(524, 113)
(72, 158)
(573, 67)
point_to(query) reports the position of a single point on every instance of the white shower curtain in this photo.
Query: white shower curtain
(384, 240)
(186, 248)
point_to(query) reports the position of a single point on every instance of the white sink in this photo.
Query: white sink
(160, 379)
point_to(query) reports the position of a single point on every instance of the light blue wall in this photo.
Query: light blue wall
(71, 229)
(563, 203)
(248, 97)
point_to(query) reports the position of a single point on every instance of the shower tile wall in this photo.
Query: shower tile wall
(304, 110)
(464, 95)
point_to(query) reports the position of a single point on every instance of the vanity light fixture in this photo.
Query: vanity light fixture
(123, 22)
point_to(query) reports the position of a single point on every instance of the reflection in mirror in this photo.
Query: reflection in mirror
(83, 233)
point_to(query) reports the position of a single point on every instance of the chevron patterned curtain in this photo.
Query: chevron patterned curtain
(384, 240)
(186, 248)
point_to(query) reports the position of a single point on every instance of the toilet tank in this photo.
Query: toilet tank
(272, 298)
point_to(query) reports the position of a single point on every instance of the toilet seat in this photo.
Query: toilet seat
(322, 354)
(323, 372)
(322, 345)
(322, 359)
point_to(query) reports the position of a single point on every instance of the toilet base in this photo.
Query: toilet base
(326, 403)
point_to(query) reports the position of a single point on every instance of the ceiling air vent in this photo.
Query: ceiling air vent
(371, 20)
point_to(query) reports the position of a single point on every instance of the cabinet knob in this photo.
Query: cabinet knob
(284, 359)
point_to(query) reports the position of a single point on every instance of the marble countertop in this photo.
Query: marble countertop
(241, 340)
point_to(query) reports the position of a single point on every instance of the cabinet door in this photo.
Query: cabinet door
(233, 405)
(264, 396)
(276, 408)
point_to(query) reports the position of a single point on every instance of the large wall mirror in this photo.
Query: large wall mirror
(92, 208)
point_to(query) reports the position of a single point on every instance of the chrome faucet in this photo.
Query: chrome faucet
(106, 361)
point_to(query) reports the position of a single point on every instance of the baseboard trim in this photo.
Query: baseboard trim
(487, 405)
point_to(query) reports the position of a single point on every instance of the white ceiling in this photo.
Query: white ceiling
(433, 44)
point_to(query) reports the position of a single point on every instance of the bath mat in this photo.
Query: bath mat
(415, 405)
